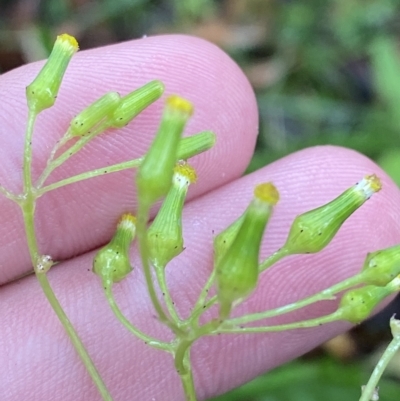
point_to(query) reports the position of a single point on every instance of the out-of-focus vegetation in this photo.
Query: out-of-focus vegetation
(324, 71)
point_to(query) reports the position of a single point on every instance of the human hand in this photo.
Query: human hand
(37, 362)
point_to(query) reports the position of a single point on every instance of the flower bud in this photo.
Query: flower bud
(135, 102)
(357, 304)
(195, 144)
(165, 240)
(42, 92)
(154, 177)
(313, 230)
(237, 270)
(92, 115)
(112, 262)
(382, 266)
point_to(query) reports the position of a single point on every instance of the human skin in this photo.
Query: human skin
(37, 361)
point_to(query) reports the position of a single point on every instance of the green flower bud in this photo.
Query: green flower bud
(382, 266)
(237, 270)
(165, 239)
(135, 102)
(42, 92)
(154, 177)
(111, 262)
(92, 115)
(195, 144)
(223, 241)
(313, 230)
(357, 304)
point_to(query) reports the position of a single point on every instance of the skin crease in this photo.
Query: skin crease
(37, 361)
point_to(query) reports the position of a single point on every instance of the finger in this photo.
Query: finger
(36, 343)
(68, 219)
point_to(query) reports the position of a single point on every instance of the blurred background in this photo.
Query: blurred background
(324, 71)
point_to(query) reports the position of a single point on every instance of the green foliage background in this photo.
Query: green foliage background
(324, 71)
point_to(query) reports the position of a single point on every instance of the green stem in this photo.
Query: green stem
(9, 194)
(283, 327)
(121, 317)
(324, 295)
(198, 308)
(76, 147)
(27, 164)
(184, 369)
(389, 353)
(90, 174)
(275, 257)
(160, 271)
(188, 147)
(28, 213)
(202, 306)
(142, 219)
(27, 204)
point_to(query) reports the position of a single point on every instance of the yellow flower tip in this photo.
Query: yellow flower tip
(68, 40)
(178, 103)
(369, 185)
(127, 221)
(267, 192)
(186, 171)
(374, 182)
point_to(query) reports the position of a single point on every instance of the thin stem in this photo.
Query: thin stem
(324, 295)
(200, 303)
(90, 174)
(380, 367)
(9, 194)
(272, 259)
(202, 306)
(27, 163)
(160, 272)
(27, 204)
(76, 147)
(184, 369)
(28, 208)
(61, 142)
(121, 317)
(142, 219)
(186, 149)
(283, 327)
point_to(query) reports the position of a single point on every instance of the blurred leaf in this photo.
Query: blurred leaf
(390, 162)
(316, 380)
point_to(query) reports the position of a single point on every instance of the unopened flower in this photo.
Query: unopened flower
(165, 239)
(237, 269)
(42, 92)
(313, 230)
(112, 262)
(154, 177)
